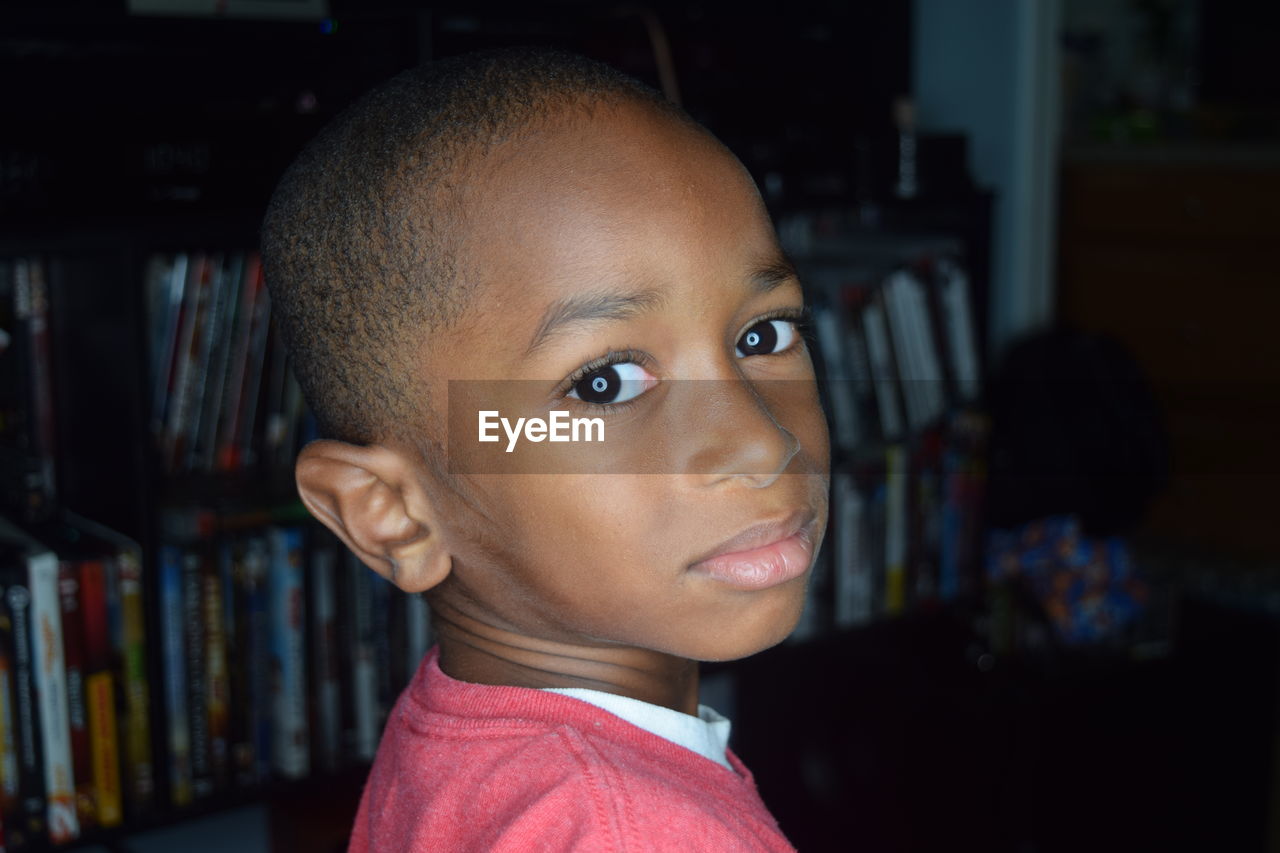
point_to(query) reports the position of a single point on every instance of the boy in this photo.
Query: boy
(538, 228)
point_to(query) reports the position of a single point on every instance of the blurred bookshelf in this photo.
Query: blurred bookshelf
(899, 351)
(149, 427)
(222, 671)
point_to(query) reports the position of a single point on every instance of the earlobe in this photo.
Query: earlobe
(369, 498)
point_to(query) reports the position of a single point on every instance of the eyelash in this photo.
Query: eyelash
(802, 318)
(619, 356)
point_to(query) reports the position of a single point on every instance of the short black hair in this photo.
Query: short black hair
(358, 243)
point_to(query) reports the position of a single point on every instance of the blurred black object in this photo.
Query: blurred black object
(122, 114)
(1237, 53)
(1075, 430)
(912, 736)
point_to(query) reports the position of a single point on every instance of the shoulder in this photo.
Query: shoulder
(511, 788)
(577, 780)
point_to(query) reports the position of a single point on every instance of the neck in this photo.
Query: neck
(471, 650)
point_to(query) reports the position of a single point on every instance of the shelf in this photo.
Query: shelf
(347, 782)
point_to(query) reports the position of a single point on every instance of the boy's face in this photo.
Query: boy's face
(722, 432)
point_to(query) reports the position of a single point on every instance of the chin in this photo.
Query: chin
(750, 640)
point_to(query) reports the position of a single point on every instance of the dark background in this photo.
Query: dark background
(226, 103)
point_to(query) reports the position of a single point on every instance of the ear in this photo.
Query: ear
(371, 499)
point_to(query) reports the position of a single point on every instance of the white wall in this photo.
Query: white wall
(989, 68)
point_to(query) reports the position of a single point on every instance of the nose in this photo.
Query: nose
(732, 432)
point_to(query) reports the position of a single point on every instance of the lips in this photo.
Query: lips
(763, 555)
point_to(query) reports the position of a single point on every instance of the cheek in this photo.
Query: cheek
(594, 552)
(572, 529)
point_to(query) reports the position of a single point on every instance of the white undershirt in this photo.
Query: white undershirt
(706, 734)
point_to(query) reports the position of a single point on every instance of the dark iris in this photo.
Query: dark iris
(760, 339)
(599, 386)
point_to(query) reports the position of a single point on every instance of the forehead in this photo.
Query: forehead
(622, 198)
(606, 155)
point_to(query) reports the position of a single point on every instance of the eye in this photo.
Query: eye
(768, 336)
(612, 383)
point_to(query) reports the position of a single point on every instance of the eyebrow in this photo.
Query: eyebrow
(773, 274)
(598, 306)
(591, 308)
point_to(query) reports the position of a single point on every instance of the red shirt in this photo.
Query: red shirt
(473, 767)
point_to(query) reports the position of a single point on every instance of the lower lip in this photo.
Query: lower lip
(761, 568)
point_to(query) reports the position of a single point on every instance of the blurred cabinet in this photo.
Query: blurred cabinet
(1173, 252)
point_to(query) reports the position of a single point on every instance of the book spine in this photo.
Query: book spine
(131, 648)
(875, 542)
(100, 695)
(42, 374)
(175, 688)
(51, 689)
(238, 364)
(208, 318)
(882, 375)
(12, 823)
(177, 406)
(918, 373)
(31, 305)
(166, 324)
(258, 652)
(273, 397)
(854, 583)
(895, 535)
(832, 341)
(197, 695)
(901, 333)
(929, 342)
(217, 686)
(14, 410)
(346, 654)
(290, 740)
(364, 687)
(156, 291)
(957, 316)
(239, 746)
(929, 501)
(961, 515)
(31, 786)
(380, 591)
(73, 654)
(222, 325)
(948, 554)
(245, 453)
(855, 297)
(9, 802)
(326, 675)
(211, 284)
(100, 692)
